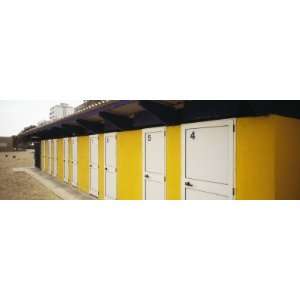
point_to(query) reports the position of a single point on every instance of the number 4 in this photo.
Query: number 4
(193, 135)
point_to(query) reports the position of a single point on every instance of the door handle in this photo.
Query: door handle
(147, 176)
(106, 169)
(188, 184)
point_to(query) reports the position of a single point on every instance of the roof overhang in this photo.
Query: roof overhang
(131, 114)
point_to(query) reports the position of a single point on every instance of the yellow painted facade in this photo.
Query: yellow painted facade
(83, 163)
(129, 165)
(267, 160)
(60, 159)
(101, 166)
(173, 163)
(255, 158)
(287, 166)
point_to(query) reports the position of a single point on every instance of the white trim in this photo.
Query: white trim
(105, 135)
(222, 122)
(74, 138)
(144, 132)
(90, 182)
(234, 159)
(66, 140)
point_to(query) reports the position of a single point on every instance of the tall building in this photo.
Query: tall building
(42, 123)
(89, 104)
(60, 111)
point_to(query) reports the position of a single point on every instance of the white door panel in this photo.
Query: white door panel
(154, 190)
(110, 157)
(192, 194)
(94, 162)
(155, 152)
(94, 183)
(154, 143)
(66, 160)
(110, 185)
(110, 161)
(207, 157)
(208, 160)
(74, 161)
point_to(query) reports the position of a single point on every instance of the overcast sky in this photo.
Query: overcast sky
(15, 115)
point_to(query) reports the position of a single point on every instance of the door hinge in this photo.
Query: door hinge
(233, 191)
(233, 128)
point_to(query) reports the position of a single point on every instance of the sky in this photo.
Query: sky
(15, 115)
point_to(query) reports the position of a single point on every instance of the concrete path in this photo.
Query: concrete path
(62, 190)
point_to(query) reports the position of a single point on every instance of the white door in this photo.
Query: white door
(49, 157)
(55, 157)
(208, 150)
(66, 160)
(110, 161)
(94, 165)
(154, 143)
(75, 161)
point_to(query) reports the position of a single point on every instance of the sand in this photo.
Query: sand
(19, 185)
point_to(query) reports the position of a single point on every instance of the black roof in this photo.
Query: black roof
(119, 115)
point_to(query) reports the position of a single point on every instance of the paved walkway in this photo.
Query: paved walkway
(61, 190)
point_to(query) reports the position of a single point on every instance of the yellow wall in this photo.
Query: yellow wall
(83, 163)
(268, 160)
(101, 166)
(287, 158)
(255, 158)
(129, 164)
(60, 159)
(173, 164)
(70, 161)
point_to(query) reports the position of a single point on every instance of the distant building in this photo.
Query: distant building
(88, 104)
(42, 123)
(60, 111)
(28, 128)
(6, 144)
